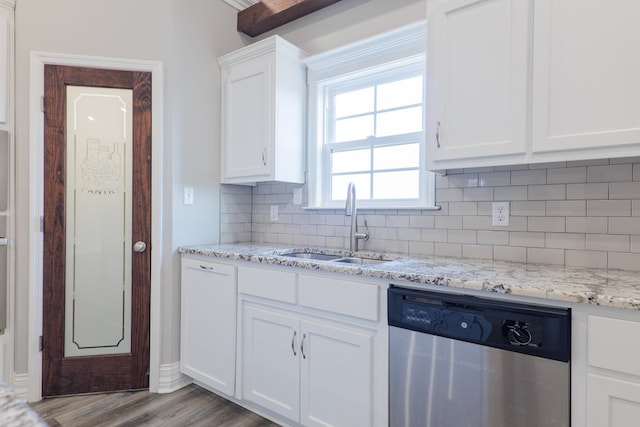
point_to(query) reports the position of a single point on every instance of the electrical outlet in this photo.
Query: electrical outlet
(297, 196)
(274, 212)
(500, 214)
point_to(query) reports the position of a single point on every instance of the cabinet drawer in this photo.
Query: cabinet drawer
(347, 297)
(265, 283)
(613, 344)
(208, 266)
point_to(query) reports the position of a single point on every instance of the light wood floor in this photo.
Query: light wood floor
(189, 406)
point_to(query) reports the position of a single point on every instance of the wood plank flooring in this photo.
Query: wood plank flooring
(189, 406)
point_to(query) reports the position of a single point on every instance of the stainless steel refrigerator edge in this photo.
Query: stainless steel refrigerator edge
(4, 195)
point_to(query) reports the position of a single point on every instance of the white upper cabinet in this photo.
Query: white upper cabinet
(477, 59)
(586, 85)
(263, 113)
(521, 81)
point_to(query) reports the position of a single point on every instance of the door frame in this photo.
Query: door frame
(36, 204)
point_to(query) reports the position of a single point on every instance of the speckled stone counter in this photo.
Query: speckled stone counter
(613, 288)
(14, 412)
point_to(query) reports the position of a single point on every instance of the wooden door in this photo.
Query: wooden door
(68, 273)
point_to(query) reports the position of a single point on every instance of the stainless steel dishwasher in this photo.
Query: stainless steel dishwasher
(465, 361)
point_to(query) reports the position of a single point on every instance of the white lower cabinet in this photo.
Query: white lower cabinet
(309, 371)
(270, 365)
(606, 358)
(208, 323)
(612, 402)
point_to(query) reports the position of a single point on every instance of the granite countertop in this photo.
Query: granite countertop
(14, 412)
(612, 288)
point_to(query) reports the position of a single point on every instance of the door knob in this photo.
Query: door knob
(139, 247)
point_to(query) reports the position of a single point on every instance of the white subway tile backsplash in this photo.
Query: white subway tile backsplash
(566, 208)
(518, 192)
(421, 221)
(473, 222)
(526, 208)
(608, 208)
(587, 191)
(623, 160)
(487, 237)
(494, 179)
(592, 225)
(567, 175)
(434, 235)
(565, 240)
(545, 223)
(461, 236)
(607, 242)
(463, 208)
(448, 195)
(589, 259)
(448, 249)
(529, 177)
(579, 213)
(545, 256)
(547, 192)
(397, 221)
(463, 180)
(624, 261)
(527, 239)
(509, 253)
(449, 222)
(477, 251)
(418, 248)
(478, 194)
(624, 190)
(624, 225)
(610, 173)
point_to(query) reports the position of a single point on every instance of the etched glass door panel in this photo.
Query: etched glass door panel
(98, 218)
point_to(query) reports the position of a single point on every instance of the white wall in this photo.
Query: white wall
(186, 36)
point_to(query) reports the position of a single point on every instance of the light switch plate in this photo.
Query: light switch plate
(188, 195)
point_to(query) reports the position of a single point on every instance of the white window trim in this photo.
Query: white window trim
(404, 45)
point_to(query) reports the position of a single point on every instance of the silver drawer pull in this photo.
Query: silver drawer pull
(293, 343)
(304, 337)
(4, 241)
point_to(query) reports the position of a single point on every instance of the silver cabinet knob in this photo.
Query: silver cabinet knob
(139, 247)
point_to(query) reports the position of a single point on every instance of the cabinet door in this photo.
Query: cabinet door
(586, 90)
(477, 61)
(270, 364)
(248, 117)
(336, 382)
(612, 402)
(208, 323)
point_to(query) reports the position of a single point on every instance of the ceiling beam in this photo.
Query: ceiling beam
(269, 14)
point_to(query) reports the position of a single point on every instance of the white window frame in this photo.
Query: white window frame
(401, 48)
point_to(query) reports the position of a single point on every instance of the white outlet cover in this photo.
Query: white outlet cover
(297, 196)
(500, 214)
(274, 212)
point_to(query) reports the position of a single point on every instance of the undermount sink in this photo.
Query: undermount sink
(333, 258)
(317, 257)
(359, 260)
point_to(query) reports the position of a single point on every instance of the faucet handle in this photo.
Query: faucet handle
(364, 236)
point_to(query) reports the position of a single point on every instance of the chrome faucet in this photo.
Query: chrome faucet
(351, 209)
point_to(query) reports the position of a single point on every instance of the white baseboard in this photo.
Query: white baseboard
(20, 384)
(171, 379)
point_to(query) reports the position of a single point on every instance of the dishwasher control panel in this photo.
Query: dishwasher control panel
(531, 329)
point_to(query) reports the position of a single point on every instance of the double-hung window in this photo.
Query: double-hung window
(367, 123)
